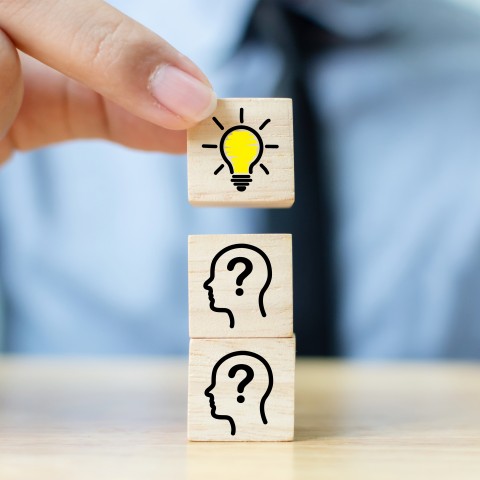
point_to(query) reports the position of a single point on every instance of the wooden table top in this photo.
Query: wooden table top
(126, 419)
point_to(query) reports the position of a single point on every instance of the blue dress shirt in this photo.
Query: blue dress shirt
(93, 236)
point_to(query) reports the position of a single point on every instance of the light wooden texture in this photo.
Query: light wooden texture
(205, 146)
(224, 404)
(208, 275)
(126, 420)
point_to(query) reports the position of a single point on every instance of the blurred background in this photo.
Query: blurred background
(93, 236)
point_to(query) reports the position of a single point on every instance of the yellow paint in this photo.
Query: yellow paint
(241, 148)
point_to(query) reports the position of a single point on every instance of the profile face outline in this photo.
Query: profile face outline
(209, 391)
(208, 285)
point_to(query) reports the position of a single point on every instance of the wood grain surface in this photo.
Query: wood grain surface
(272, 365)
(126, 419)
(270, 292)
(271, 183)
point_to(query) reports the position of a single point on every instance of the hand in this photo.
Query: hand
(88, 71)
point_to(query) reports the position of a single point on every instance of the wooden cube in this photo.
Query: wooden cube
(241, 389)
(243, 155)
(240, 286)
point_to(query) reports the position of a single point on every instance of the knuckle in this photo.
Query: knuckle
(101, 45)
(120, 53)
(10, 9)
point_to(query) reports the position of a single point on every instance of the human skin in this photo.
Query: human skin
(71, 70)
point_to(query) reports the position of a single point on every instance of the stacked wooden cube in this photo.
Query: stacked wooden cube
(242, 348)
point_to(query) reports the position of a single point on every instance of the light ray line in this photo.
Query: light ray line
(218, 170)
(219, 125)
(264, 124)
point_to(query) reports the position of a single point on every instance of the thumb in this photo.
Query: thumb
(112, 54)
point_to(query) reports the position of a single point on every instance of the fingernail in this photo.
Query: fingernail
(182, 94)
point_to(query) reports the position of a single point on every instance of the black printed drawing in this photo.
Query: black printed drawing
(230, 275)
(241, 148)
(251, 389)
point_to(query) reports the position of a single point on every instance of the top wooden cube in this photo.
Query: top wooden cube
(242, 156)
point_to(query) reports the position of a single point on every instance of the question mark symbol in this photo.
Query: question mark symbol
(248, 378)
(244, 274)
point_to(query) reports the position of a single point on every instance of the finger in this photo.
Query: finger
(56, 108)
(10, 84)
(109, 52)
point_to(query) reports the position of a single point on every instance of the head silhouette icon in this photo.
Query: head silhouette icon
(240, 274)
(240, 385)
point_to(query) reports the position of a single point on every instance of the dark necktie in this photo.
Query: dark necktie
(310, 220)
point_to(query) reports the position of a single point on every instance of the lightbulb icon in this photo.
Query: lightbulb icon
(241, 148)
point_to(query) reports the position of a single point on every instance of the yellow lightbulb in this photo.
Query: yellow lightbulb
(241, 148)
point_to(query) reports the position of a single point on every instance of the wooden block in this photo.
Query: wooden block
(241, 389)
(243, 155)
(240, 286)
